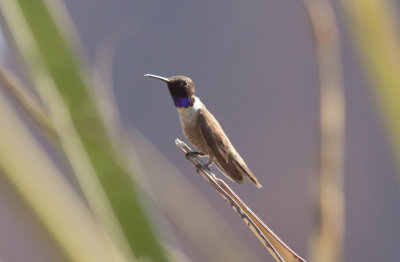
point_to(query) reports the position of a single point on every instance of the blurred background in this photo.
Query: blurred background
(255, 67)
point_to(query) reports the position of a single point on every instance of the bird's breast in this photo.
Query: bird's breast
(190, 125)
(188, 117)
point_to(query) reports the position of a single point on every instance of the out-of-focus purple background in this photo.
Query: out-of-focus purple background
(254, 67)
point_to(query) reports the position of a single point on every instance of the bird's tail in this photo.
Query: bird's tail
(244, 170)
(236, 170)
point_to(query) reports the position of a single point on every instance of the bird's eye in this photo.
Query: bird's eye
(185, 83)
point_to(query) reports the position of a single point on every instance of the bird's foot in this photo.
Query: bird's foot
(205, 166)
(193, 153)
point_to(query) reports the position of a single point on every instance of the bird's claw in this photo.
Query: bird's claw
(202, 166)
(193, 153)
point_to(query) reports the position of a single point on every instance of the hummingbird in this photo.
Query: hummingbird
(203, 131)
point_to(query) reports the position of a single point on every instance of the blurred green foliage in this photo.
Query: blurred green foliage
(374, 25)
(39, 30)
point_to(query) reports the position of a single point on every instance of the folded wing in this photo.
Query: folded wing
(226, 158)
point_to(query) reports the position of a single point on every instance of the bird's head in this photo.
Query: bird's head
(181, 89)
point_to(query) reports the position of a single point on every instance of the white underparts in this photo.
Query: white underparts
(188, 114)
(190, 125)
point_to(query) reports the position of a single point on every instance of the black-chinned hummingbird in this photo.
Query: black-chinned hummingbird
(202, 130)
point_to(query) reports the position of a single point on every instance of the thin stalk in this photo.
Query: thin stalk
(28, 167)
(275, 246)
(328, 193)
(31, 107)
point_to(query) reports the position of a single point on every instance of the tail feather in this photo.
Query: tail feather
(236, 171)
(244, 170)
(230, 171)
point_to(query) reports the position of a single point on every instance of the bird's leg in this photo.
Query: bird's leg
(200, 166)
(193, 153)
(206, 165)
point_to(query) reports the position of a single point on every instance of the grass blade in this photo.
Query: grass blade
(41, 184)
(56, 72)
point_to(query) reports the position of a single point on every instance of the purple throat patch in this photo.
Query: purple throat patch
(183, 101)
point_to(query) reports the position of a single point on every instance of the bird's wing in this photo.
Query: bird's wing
(219, 145)
(234, 167)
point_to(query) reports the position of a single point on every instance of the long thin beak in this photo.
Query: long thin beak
(166, 80)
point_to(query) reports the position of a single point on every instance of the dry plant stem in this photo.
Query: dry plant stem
(278, 249)
(209, 239)
(327, 239)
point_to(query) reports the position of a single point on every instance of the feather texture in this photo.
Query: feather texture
(225, 155)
